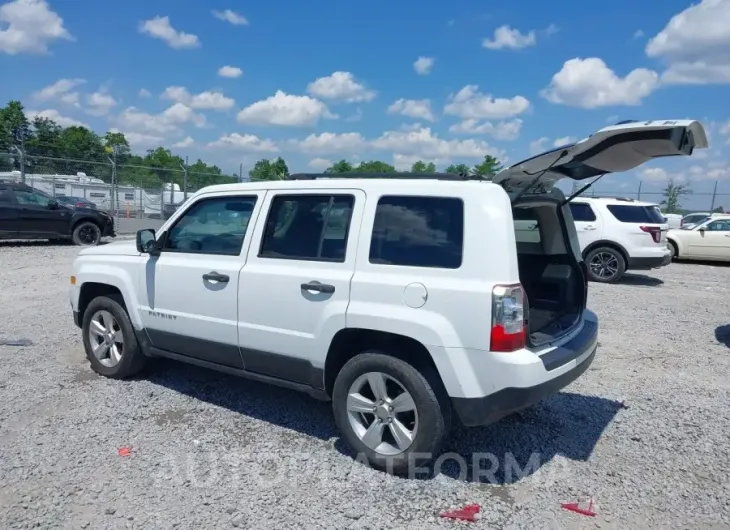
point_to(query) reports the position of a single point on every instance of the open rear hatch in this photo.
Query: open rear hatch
(552, 271)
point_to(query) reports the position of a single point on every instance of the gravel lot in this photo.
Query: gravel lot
(645, 431)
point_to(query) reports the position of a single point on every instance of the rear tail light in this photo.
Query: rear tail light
(655, 231)
(79, 205)
(509, 332)
(681, 223)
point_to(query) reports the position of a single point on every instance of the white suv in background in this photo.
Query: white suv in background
(404, 299)
(618, 234)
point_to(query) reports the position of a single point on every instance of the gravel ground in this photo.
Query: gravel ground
(644, 432)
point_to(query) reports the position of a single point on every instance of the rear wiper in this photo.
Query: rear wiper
(566, 201)
(538, 177)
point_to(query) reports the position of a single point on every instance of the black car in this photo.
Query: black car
(76, 202)
(26, 213)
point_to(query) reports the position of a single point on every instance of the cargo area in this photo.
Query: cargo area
(551, 273)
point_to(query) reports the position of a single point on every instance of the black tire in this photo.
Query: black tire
(86, 234)
(432, 405)
(132, 360)
(620, 265)
(673, 247)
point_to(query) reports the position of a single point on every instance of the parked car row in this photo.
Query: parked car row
(26, 213)
(407, 301)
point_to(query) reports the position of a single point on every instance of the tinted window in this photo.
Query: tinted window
(418, 232)
(5, 195)
(308, 227)
(695, 219)
(636, 214)
(582, 211)
(34, 198)
(718, 226)
(212, 226)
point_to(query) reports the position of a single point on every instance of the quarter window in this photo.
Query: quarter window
(582, 211)
(212, 226)
(418, 232)
(32, 198)
(308, 227)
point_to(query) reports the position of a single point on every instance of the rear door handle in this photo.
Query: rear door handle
(214, 276)
(318, 287)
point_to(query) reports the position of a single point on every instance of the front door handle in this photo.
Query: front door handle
(318, 287)
(589, 227)
(214, 276)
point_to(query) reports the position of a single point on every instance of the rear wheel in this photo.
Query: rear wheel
(390, 412)
(673, 248)
(605, 265)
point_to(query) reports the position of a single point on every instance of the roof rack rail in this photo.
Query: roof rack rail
(397, 175)
(626, 199)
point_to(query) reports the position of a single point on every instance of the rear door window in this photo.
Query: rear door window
(636, 214)
(418, 232)
(582, 211)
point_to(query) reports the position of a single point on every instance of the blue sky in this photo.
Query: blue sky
(395, 81)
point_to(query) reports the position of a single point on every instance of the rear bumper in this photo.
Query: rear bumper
(580, 351)
(646, 264)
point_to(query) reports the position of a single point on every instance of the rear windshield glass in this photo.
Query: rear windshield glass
(636, 214)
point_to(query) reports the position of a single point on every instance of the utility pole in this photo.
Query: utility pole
(240, 173)
(185, 179)
(714, 196)
(113, 194)
(638, 194)
(20, 139)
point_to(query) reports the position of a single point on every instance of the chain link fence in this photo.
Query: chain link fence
(125, 191)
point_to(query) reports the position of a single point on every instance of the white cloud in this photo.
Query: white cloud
(141, 140)
(203, 101)
(144, 93)
(320, 164)
(285, 109)
(506, 37)
(168, 121)
(563, 140)
(355, 117)
(469, 103)
(589, 84)
(328, 143)
(539, 145)
(503, 130)
(230, 71)
(245, 142)
(29, 26)
(695, 44)
(160, 28)
(424, 65)
(638, 34)
(552, 29)
(413, 108)
(100, 103)
(340, 86)
(53, 114)
(61, 90)
(231, 16)
(426, 145)
(185, 142)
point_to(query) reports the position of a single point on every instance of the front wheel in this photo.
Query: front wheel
(605, 265)
(390, 413)
(109, 340)
(87, 233)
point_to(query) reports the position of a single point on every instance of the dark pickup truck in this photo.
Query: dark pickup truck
(26, 213)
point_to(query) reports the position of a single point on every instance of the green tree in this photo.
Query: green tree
(341, 166)
(375, 166)
(672, 196)
(422, 167)
(263, 170)
(489, 167)
(461, 169)
(117, 140)
(281, 170)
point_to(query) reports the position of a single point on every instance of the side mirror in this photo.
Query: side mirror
(702, 232)
(52, 204)
(146, 241)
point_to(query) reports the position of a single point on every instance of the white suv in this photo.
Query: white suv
(618, 234)
(400, 298)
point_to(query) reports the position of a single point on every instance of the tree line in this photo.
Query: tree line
(43, 146)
